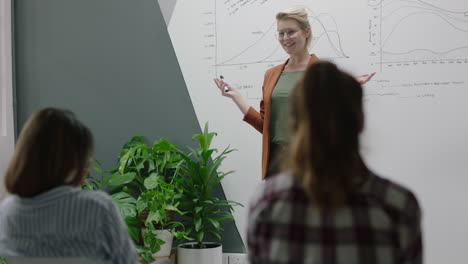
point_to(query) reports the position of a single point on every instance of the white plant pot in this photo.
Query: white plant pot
(167, 237)
(187, 253)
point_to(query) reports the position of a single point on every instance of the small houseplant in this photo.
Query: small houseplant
(145, 193)
(204, 213)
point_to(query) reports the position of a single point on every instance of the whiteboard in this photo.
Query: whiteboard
(416, 126)
(6, 91)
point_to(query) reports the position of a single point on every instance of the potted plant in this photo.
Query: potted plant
(146, 195)
(204, 214)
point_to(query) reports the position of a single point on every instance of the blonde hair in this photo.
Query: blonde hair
(298, 14)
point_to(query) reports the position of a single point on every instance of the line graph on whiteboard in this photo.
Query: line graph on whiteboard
(239, 47)
(414, 31)
(264, 48)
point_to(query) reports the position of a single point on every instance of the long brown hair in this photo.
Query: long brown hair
(52, 146)
(326, 114)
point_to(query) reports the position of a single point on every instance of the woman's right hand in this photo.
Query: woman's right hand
(234, 94)
(231, 91)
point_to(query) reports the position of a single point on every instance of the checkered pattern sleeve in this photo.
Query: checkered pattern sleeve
(410, 235)
(378, 224)
(276, 225)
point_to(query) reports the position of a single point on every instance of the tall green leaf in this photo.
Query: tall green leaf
(118, 179)
(152, 181)
(125, 203)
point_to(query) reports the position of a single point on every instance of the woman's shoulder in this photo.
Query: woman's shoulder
(393, 196)
(274, 69)
(274, 187)
(7, 202)
(280, 67)
(388, 188)
(96, 198)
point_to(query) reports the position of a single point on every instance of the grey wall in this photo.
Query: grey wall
(112, 63)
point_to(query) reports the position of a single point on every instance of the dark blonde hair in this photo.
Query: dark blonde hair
(326, 114)
(300, 16)
(52, 145)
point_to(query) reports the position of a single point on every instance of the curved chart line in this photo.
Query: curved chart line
(379, 4)
(422, 8)
(252, 45)
(333, 47)
(417, 13)
(427, 50)
(439, 8)
(338, 49)
(273, 53)
(285, 57)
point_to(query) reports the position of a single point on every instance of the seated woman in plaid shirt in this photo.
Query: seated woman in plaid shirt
(327, 206)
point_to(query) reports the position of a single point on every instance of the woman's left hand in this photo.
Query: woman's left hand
(363, 79)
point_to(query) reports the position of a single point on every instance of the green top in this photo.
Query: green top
(279, 106)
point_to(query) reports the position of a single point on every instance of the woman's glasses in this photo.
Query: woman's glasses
(289, 33)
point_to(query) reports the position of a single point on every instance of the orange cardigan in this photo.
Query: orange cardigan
(261, 120)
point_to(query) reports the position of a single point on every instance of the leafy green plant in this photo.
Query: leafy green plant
(138, 161)
(199, 175)
(93, 183)
(146, 173)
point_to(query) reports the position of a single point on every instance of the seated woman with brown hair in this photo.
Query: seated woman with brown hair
(47, 214)
(326, 206)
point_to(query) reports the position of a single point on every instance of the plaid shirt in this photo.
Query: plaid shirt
(379, 224)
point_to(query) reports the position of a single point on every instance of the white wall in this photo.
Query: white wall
(416, 125)
(6, 91)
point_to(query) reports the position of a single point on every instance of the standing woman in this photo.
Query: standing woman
(294, 35)
(47, 214)
(326, 206)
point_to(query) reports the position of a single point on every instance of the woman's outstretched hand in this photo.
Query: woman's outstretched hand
(232, 92)
(363, 79)
(225, 88)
